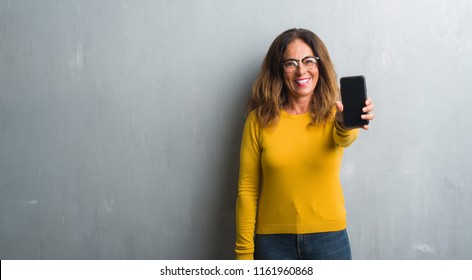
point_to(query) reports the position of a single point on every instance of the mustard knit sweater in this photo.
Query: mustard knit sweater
(289, 179)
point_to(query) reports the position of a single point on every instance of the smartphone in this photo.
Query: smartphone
(353, 95)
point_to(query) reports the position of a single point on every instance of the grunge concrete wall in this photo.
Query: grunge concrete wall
(120, 124)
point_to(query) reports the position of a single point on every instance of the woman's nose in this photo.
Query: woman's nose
(301, 69)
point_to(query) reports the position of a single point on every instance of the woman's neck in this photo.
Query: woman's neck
(297, 106)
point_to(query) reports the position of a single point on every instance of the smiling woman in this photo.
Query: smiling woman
(300, 80)
(271, 91)
(290, 201)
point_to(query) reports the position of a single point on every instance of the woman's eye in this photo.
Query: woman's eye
(290, 64)
(309, 62)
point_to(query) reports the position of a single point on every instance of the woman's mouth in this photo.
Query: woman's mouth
(302, 82)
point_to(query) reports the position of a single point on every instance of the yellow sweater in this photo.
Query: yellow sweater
(289, 179)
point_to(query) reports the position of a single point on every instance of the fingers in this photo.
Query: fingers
(339, 106)
(339, 112)
(368, 116)
(369, 106)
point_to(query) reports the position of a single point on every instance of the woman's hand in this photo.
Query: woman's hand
(369, 107)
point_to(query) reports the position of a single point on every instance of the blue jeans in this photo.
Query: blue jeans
(313, 246)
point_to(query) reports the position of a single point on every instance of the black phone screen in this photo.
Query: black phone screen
(353, 94)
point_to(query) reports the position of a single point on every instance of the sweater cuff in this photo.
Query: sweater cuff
(244, 256)
(340, 127)
(344, 136)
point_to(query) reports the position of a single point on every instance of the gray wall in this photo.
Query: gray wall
(120, 124)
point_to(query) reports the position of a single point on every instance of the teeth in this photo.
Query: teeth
(302, 82)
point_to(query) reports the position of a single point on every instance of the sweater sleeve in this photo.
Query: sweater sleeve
(248, 189)
(344, 137)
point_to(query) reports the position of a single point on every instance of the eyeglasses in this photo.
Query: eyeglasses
(308, 62)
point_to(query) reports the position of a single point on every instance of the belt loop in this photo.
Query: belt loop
(300, 245)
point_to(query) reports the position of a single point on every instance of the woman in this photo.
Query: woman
(290, 202)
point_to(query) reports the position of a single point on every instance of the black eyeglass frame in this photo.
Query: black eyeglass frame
(297, 62)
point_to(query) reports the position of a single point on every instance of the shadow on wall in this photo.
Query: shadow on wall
(221, 204)
(221, 227)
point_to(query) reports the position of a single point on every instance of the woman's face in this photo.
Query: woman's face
(302, 82)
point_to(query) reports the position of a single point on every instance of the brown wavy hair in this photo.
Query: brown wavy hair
(268, 91)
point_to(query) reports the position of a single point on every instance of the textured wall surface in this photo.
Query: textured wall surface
(120, 124)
